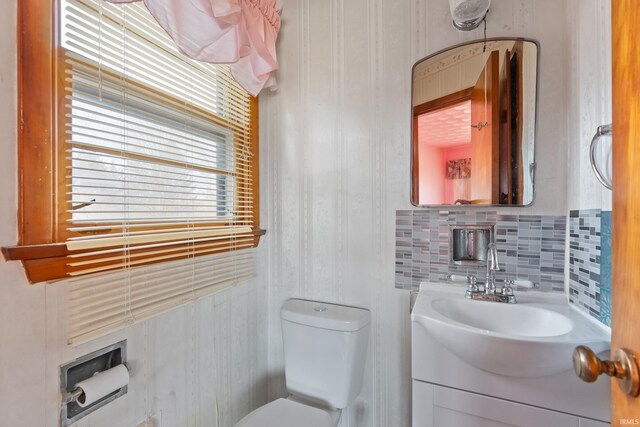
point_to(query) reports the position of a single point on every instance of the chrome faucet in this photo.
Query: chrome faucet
(492, 267)
(488, 292)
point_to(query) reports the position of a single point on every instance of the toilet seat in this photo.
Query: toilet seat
(287, 413)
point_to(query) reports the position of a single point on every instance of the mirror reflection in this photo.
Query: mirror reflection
(474, 111)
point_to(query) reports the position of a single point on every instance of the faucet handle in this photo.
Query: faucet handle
(459, 278)
(472, 287)
(507, 288)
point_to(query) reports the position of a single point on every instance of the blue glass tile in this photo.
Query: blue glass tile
(605, 268)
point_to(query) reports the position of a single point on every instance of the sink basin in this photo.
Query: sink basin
(506, 319)
(533, 338)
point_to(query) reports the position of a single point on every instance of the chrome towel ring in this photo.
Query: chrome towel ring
(602, 131)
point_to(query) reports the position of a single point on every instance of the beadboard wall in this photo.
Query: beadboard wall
(201, 365)
(335, 156)
(589, 97)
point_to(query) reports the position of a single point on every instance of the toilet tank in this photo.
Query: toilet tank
(325, 347)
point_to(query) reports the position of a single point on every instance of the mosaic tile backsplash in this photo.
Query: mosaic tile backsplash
(529, 247)
(590, 262)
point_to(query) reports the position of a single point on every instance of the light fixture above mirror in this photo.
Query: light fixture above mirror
(468, 14)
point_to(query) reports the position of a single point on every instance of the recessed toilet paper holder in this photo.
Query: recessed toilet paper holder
(79, 394)
(83, 369)
(73, 396)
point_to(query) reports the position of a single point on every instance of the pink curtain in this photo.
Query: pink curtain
(241, 33)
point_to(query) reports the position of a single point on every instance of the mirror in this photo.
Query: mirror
(473, 124)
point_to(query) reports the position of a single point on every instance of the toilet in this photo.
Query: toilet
(325, 347)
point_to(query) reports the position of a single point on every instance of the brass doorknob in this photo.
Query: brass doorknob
(624, 367)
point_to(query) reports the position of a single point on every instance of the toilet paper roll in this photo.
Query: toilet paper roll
(102, 384)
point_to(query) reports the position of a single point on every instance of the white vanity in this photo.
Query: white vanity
(490, 364)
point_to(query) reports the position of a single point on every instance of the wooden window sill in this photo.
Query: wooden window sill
(46, 262)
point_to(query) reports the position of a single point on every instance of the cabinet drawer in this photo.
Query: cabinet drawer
(435, 406)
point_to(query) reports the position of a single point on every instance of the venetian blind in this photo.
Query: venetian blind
(103, 302)
(158, 160)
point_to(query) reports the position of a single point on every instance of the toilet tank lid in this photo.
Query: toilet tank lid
(326, 316)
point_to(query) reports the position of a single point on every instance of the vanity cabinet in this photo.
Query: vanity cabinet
(453, 366)
(437, 406)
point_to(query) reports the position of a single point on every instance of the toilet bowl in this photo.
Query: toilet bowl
(324, 356)
(290, 413)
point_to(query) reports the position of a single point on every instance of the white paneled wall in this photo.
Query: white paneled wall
(335, 163)
(589, 28)
(200, 365)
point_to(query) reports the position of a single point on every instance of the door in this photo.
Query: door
(625, 322)
(511, 126)
(505, 130)
(626, 198)
(517, 122)
(485, 136)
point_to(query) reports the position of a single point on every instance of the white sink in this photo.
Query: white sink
(507, 319)
(532, 338)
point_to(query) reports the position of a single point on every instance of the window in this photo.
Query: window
(130, 153)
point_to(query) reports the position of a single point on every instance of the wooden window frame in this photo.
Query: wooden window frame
(41, 178)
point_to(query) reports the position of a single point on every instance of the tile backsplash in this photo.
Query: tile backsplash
(590, 262)
(529, 246)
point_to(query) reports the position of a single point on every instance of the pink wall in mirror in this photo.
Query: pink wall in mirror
(455, 189)
(432, 174)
